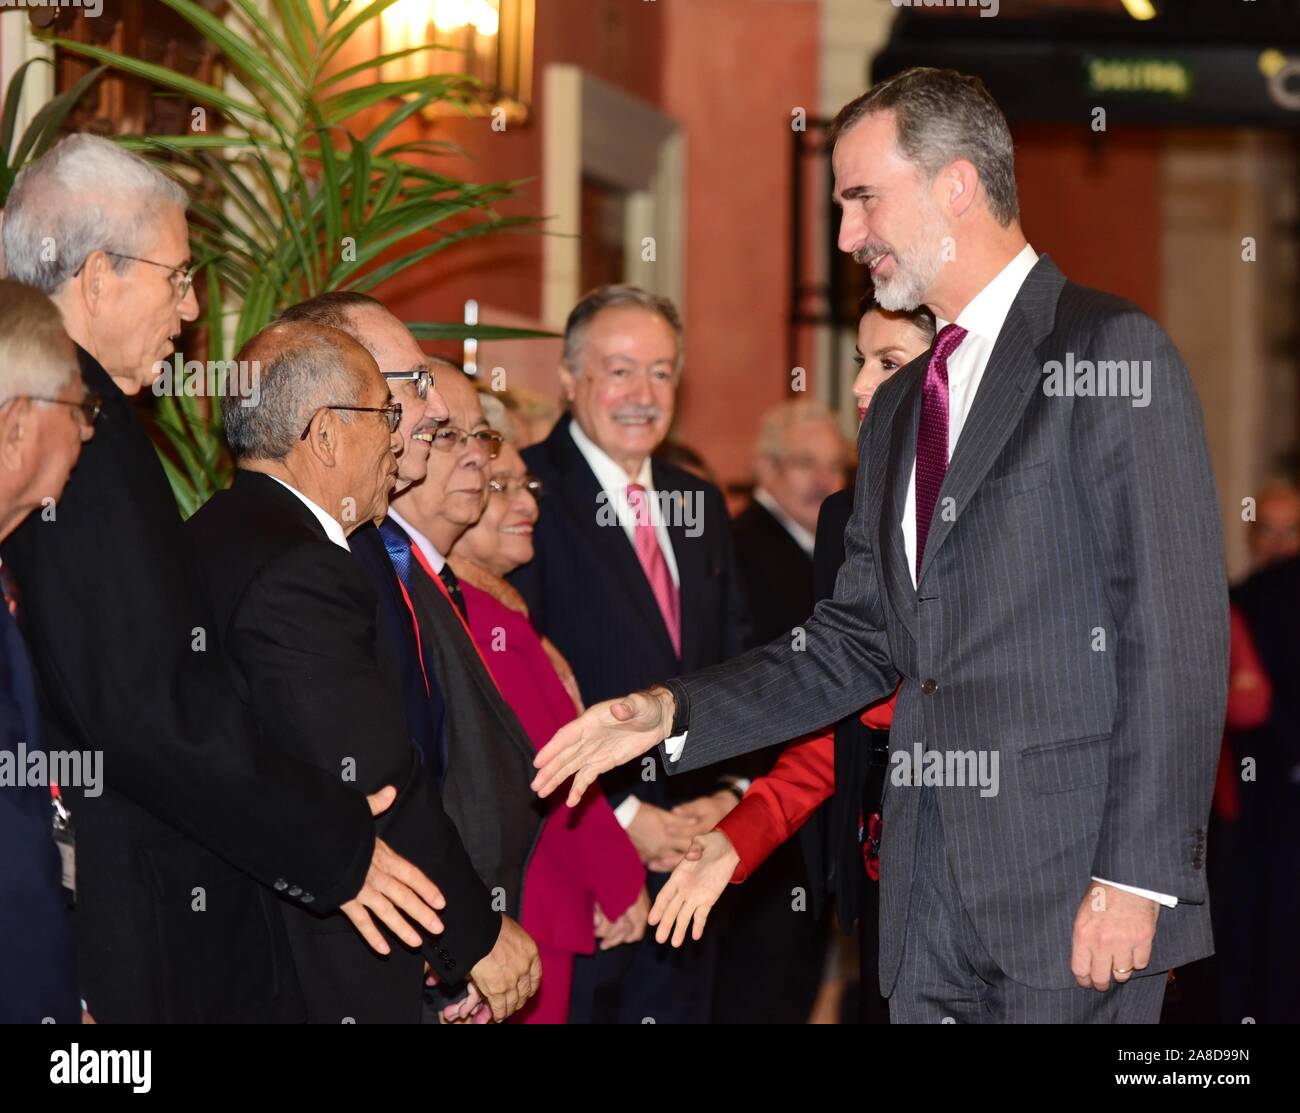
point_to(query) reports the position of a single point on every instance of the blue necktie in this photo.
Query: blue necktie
(398, 545)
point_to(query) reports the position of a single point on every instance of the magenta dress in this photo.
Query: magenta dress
(583, 855)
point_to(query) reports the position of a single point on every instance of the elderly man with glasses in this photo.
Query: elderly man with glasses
(193, 812)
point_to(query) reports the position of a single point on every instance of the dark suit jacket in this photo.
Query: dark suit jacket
(1071, 517)
(120, 636)
(489, 756)
(586, 591)
(776, 575)
(1270, 602)
(299, 622)
(38, 976)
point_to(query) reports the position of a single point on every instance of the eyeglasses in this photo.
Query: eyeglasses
(504, 484)
(89, 407)
(181, 278)
(423, 379)
(393, 411)
(447, 438)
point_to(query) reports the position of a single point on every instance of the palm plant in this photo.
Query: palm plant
(17, 150)
(291, 203)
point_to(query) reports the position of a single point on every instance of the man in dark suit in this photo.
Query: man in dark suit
(178, 857)
(1035, 551)
(299, 622)
(484, 758)
(634, 581)
(45, 416)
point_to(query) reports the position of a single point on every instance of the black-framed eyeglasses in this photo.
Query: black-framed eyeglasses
(423, 379)
(393, 411)
(447, 438)
(89, 407)
(181, 278)
(504, 484)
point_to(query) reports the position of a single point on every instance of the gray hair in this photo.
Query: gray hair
(940, 116)
(615, 297)
(306, 370)
(784, 416)
(494, 409)
(33, 345)
(86, 194)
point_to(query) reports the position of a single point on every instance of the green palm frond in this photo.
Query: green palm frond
(294, 202)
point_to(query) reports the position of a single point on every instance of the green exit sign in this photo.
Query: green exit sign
(1156, 76)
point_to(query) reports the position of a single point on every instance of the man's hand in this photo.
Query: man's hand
(660, 837)
(706, 812)
(392, 883)
(509, 973)
(603, 736)
(1113, 931)
(694, 888)
(628, 928)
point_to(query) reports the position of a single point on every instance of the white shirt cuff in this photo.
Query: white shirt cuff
(673, 746)
(626, 811)
(1159, 898)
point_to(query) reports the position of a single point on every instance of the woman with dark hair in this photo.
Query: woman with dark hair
(847, 760)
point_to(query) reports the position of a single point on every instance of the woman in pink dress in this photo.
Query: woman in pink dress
(585, 882)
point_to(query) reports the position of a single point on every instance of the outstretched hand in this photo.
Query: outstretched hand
(690, 893)
(608, 734)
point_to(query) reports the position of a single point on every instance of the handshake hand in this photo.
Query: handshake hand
(500, 982)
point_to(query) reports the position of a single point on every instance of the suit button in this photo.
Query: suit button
(295, 892)
(307, 898)
(280, 885)
(929, 686)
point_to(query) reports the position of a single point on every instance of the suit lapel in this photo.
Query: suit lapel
(896, 460)
(1003, 393)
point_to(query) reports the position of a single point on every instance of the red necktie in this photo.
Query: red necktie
(655, 564)
(932, 434)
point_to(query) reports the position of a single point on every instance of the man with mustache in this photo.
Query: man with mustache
(1043, 572)
(634, 581)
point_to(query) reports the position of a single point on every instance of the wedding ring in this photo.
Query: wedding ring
(1129, 970)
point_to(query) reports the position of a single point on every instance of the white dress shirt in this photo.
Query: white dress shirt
(613, 482)
(982, 318)
(436, 559)
(330, 524)
(805, 540)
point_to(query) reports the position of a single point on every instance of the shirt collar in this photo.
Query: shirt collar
(330, 524)
(986, 312)
(805, 540)
(609, 474)
(436, 559)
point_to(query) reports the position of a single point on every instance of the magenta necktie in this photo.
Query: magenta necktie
(655, 565)
(932, 435)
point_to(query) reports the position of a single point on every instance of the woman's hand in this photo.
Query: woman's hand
(694, 888)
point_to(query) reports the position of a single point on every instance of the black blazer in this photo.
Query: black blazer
(487, 790)
(586, 591)
(775, 573)
(299, 622)
(120, 636)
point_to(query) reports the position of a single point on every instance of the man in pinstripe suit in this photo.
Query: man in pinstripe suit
(1035, 555)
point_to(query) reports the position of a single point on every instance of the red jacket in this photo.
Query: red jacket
(778, 804)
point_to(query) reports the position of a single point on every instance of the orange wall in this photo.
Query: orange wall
(1093, 204)
(733, 72)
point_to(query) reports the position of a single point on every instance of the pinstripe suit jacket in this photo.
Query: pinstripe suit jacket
(1071, 615)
